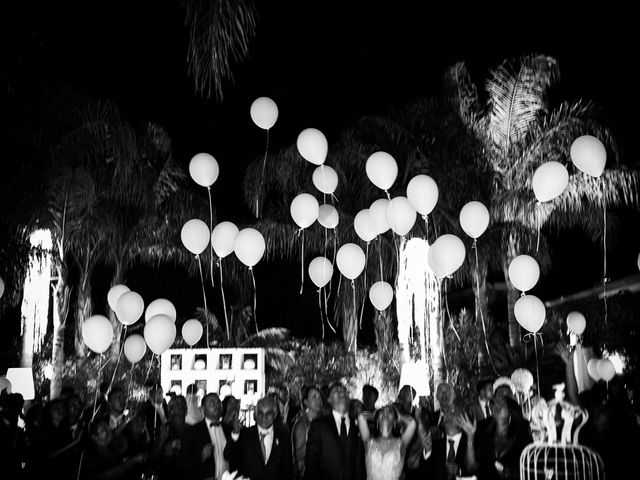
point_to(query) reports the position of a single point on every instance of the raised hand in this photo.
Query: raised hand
(563, 352)
(466, 424)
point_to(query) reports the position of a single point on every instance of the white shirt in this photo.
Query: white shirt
(456, 442)
(219, 441)
(268, 440)
(338, 419)
(483, 407)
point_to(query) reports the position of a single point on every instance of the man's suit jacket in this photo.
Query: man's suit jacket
(245, 455)
(327, 459)
(435, 466)
(475, 412)
(189, 461)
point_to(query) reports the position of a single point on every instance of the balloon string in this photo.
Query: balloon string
(479, 309)
(255, 296)
(211, 230)
(320, 308)
(119, 356)
(264, 164)
(326, 310)
(366, 260)
(335, 304)
(538, 221)
(355, 311)
(146, 377)
(204, 299)
(224, 302)
(388, 196)
(446, 304)
(95, 397)
(302, 263)
(335, 249)
(380, 255)
(535, 349)
(426, 226)
(604, 246)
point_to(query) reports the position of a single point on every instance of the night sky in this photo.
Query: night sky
(325, 66)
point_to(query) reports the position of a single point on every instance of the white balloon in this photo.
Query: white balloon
(378, 215)
(363, 226)
(328, 216)
(223, 238)
(381, 295)
(350, 260)
(592, 368)
(589, 155)
(320, 271)
(549, 181)
(606, 369)
(160, 306)
(576, 323)
(639, 261)
(422, 192)
(524, 272)
(530, 312)
(192, 331)
(304, 210)
(264, 112)
(129, 308)
(325, 179)
(474, 219)
(114, 294)
(204, 169)
(446, 255)
(97, 333)
(382, 170)
(195, 236)
(134, 348)
(249, 246)
(159, 333)
(312, 145)
(400, 215)
(1, 287)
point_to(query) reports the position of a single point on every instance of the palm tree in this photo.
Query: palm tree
(518, 131)
(219, 34)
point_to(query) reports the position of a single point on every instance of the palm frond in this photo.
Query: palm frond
(219, 34)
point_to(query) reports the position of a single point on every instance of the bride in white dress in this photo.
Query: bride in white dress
(384, 454)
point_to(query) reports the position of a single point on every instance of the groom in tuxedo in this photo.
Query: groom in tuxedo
(334, 448)
(261, 452)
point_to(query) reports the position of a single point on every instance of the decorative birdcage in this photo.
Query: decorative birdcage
(555, 453)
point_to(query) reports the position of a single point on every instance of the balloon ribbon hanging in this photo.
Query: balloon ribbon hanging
(366, 260)
(211, 230)
(115, 369)
(204, 299)
(320, 308)
(355, 311)
(255, 296)
(527, 338)
(264, 164)
(479, 308)
(301, 260)
(224, 302)
(604, 246)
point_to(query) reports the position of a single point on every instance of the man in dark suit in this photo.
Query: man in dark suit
(262, 452)
(155, 411)
(448, 455)
(202, 452)
(481, 408)
(334, 448)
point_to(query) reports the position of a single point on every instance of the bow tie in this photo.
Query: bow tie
(214, 424)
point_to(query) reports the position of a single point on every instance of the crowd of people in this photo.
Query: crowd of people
(325, 436)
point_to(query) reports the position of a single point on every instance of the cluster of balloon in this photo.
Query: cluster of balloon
(576, 324)
(422, 192)
(304, 211)
(320, 273)
(249, 248)
(524, 273)
(160, 328)
(264, 113)
(204, 170)
(223, 239)
(601, 369)
(382, 170)
(401, 216)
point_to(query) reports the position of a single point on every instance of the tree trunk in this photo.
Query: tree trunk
(84, 308)
(481, 313)
(61, 297)
(383, 325)
(118, 278)
(512, 295)
(436, 333)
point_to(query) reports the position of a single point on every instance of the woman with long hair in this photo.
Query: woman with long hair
(384, 453)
